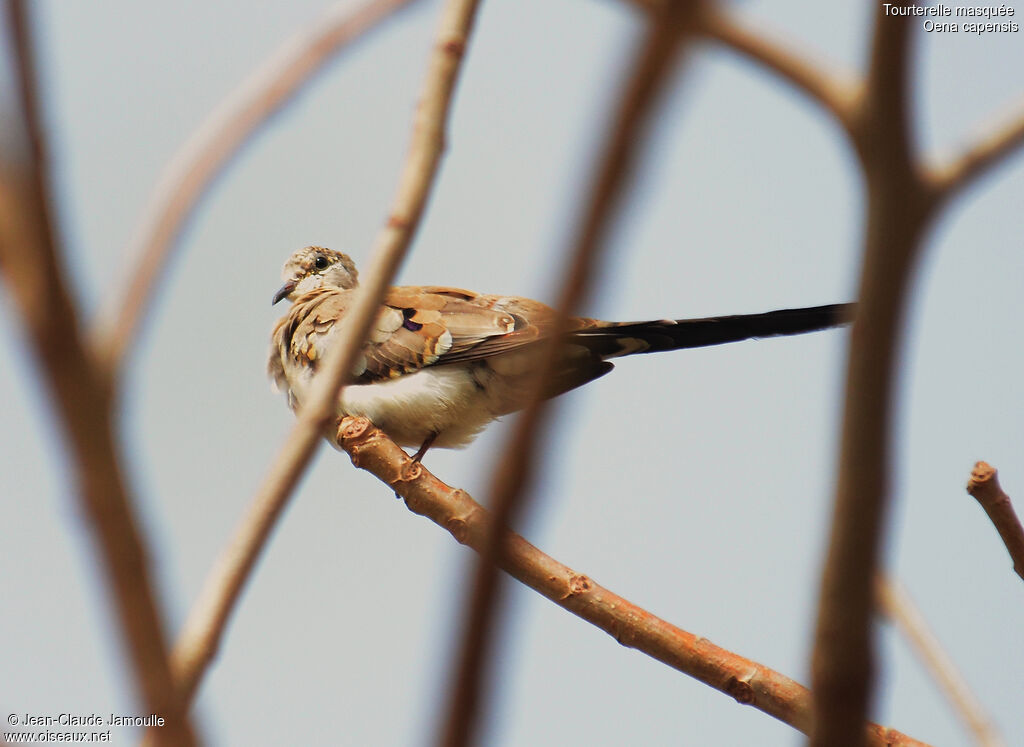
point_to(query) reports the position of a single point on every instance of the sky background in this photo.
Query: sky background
(696, 484)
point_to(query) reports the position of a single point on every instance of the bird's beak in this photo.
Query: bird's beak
(284, 291)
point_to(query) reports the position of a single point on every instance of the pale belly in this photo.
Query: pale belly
(446, 400)
(454, 402)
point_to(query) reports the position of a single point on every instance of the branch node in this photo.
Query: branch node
(626, 632)
(398, 222)
(578, 584)
(740, 689)
(352, 428)
(460, 497)
(454, 48)
(458, 528)
(409, 471)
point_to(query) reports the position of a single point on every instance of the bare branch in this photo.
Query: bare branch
(896, 604)
(898, 208)
(34, 271)
(210, 149)
(836, 94)
(980, 157)
(626, 133)
(471, 524)
(200, 638)
(877, 124)
(984, 486)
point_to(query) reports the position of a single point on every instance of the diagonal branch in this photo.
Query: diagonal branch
(626, 133)
(211, 148)
(470, 523)
(896, 604)
(980, 157)
(203, 629)
(984, 486)
(34, 271)
(836, 94)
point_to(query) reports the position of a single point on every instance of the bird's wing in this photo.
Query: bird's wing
(416, 327)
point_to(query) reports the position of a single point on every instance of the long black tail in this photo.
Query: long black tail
(617, 339)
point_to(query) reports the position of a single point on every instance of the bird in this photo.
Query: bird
(442, 363)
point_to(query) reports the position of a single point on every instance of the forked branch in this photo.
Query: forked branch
(904, 193)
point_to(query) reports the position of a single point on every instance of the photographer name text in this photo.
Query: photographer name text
(84, 719)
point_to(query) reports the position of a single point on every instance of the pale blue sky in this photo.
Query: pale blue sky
(696, 484)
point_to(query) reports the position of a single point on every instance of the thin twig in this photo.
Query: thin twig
(836, 94)
(980, 157)
(896, 604)
(626, 133)
(200, 638)
(898, 206)
(470, 523)
(31, 264)
(211, 148)
(984, 486)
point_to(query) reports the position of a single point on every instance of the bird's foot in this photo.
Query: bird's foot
(427, 442)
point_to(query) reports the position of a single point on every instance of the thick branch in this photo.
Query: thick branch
(626, 133)
(896, 604)
(34, 271)
(470, 523)
(898, 207)
(211, 148)
(984, 486)
(200, 638)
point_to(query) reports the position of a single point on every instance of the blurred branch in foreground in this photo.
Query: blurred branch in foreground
(874, 119)
(208, 152)
(624, 138)
(895, 604)
(470, 524)
(898, 209)
(987, 152)
(31, 264)
(201, 636)
(837, 94)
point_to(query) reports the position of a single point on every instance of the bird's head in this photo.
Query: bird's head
(316, 267)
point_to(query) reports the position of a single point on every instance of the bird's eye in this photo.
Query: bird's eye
(320, 262)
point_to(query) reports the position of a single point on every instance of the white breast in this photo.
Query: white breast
(445, 400)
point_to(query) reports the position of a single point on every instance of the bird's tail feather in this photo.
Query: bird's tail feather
(612, 340)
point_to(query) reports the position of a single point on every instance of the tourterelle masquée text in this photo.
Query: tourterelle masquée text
(934, 17)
